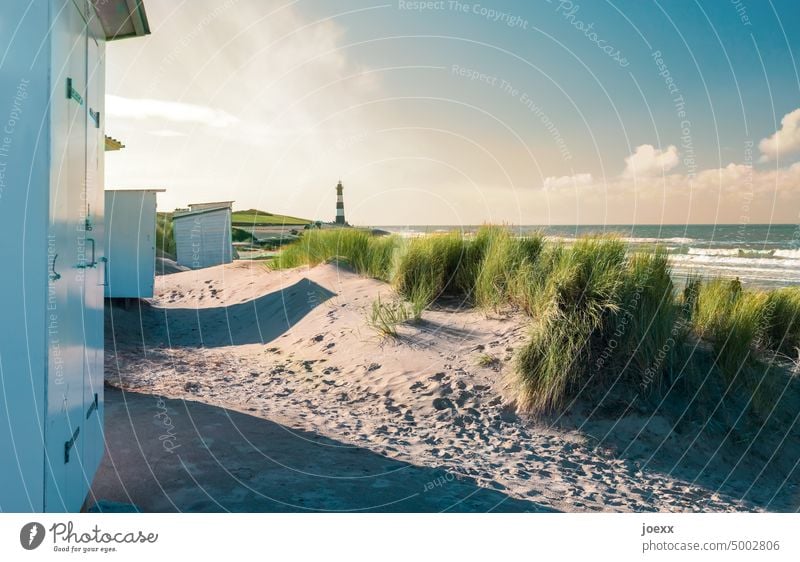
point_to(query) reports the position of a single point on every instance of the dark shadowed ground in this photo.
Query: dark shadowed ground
(173, 455)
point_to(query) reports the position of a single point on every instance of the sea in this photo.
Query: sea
(760, 255)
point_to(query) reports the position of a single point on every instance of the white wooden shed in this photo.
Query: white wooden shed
(203, 234)
(130, 242)
(52, 83)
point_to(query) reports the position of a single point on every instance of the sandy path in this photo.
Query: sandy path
(294, 347)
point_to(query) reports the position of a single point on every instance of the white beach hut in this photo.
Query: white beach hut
(130, 242)
(51, 216)
(203, 234)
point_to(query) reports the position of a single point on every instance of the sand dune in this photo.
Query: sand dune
(293, 347)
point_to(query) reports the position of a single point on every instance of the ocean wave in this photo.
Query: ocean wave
(713, 251)
(745, 253)
(728, 260)
(630, 240)
(733, 252)
(674, 240)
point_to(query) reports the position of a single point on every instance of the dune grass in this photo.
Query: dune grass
(501, 266)
(435, 266)
(603, 320)
(487, 360)
(749, 331)
(730, 319)
(782, 328)
(369, 255)
(386, 316)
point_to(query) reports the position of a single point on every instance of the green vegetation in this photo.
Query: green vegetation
(488, 360)
(434, 266)
(749, 331)
(385, 317)
(605, 323)
(254, 217)
(165, 238)
(367, 254)
(782, 328)
(600, 319)
(730, 319)
(241, 235)
(501, 262)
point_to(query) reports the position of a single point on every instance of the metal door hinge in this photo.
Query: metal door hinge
(69, 444)
(72, 93)
(93, 407)
(54, 275)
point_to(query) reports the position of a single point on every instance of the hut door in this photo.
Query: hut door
(95, 268)
(64, 429)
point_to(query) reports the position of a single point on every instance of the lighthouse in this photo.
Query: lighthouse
(340, 204)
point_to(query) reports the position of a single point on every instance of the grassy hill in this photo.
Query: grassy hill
(252, 217)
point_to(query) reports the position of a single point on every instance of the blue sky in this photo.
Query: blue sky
(465, 112)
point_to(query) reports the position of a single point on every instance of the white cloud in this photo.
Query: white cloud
(177, 112)
(733, 181)
(734, 193)
(740, 176)
(785, 141)
(648, 161)
(562, 182)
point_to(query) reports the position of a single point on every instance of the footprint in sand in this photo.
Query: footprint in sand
(442, 403)
(418, 386)
(463, 397)
(191, 386)
(390, 407)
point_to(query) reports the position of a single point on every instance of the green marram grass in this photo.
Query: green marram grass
(386, 316)
(603, 320)
(487, 360)
(502, 259)
(731, 319)
(435, 266)
(782, 327)
(369, 255)
(750, 332)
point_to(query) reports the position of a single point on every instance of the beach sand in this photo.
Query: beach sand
(294, 348)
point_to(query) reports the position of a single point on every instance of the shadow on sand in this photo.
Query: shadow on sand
(174, 455)
(259, 320)
(746, 458)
